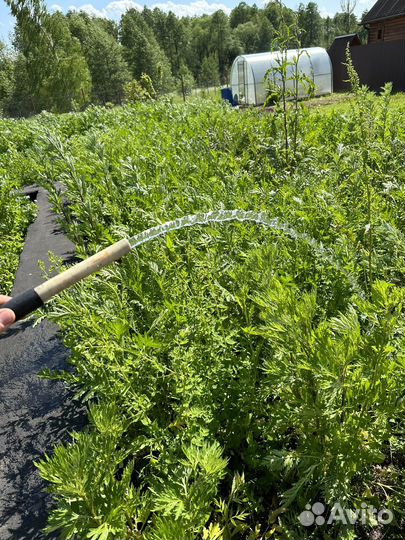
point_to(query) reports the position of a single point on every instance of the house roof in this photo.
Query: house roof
(340, 43)
(385, 9)
(353, 39)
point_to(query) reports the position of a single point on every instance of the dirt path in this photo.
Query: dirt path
(34, 414)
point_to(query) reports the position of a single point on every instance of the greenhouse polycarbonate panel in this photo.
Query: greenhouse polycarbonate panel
(260, 64)
(323, 85)
(241, 79)
(321, 62)
(235, 78)
(261, 92)
(252, 88)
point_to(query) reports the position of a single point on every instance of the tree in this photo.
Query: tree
(343, 25)
(209, 71)
(51, 72)
(220, 41)
(363, 32)
(310, 23)
(175, 42)
(141, 90)
(142, 51)
(248, 36)
(254, 35)
(171, 34)
(185, 81)
(199, 44)
(104, 55)
(277, 14)
(348, 7)
(242, 14)
(67, 81)
(329, 32)
(6, 77)
(30, 18)
(156, 20)
(265, 32)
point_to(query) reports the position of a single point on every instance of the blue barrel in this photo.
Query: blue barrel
(226, 94)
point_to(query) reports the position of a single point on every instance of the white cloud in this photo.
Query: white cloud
(115, 9)
(119, 7)
(199, 7)
(90, 10)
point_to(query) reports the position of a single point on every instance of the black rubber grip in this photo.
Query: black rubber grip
(24, 303)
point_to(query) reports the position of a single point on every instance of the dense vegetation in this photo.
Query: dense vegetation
(233, 374)
(64, 62)
(16, 212)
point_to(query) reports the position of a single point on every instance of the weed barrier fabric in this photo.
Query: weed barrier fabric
(35, 414)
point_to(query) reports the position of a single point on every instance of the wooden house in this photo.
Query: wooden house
(382, 60)
(385, 21)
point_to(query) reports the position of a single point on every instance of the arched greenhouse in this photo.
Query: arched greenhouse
(249, 70)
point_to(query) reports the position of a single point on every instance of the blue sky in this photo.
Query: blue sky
(114, 8)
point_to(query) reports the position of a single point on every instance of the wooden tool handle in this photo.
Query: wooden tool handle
(25, 303)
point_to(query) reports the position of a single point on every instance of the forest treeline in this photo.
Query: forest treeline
(61, 62)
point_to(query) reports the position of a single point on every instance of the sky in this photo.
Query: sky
(113, 9)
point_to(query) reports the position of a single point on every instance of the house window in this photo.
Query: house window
(380, 34)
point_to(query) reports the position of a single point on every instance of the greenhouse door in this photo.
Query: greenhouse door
(242, 81)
